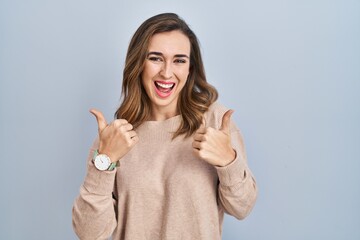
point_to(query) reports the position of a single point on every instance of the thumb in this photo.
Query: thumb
(225, 125)
(100, 119)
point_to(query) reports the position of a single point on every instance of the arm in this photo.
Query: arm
(93, 214)
(223, 148)
(237, 188)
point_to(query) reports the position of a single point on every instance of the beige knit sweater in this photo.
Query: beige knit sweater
(161, 191)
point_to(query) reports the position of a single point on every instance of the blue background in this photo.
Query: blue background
(290, 69)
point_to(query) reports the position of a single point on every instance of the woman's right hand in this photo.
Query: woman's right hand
(115, 139)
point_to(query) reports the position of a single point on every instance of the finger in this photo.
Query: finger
(126, 127)
(101, 121)
(119, 122)
(131, 134)
(225, 125)
(135, 139)
(196, 145)
(199, 137)
(201, 130)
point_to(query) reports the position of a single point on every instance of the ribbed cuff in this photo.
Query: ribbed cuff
(99, 182)
(231, 174)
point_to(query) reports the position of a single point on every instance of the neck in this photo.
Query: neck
(163, 113)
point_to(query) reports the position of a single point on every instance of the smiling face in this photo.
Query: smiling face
(166, 70)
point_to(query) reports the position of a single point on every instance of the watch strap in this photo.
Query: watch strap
(96, 152)
(112, 166)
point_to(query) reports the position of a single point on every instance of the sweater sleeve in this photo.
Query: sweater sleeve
(93, 214)
(237, 189)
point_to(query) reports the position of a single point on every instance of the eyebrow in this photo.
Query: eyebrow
(160, 54)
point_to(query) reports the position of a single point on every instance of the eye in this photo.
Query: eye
(155, 59)
(180, 60)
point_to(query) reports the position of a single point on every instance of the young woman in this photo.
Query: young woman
(172, 162)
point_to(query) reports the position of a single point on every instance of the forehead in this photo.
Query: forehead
(170, 43)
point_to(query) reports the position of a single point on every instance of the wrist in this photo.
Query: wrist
(231, 158)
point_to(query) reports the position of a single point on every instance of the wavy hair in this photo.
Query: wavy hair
(195, 97)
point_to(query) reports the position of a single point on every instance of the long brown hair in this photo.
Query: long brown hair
(197, 94)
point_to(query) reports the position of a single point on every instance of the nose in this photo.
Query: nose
(166, 71)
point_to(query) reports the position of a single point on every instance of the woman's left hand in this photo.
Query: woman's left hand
(214, 146)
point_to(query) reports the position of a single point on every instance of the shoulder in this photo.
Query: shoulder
(217, 107)
(213, 116)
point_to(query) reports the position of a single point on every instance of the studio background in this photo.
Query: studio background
(289, 69)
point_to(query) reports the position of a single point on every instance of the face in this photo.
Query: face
(166, 69)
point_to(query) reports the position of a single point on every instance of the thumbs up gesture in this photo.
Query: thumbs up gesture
(214, 146)
(115, 139)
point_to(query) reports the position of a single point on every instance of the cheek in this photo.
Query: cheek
(186, 75)
(146, 80)
(145, 74)
(183, 74)
(183, 79)
(151, 70)
(146, 71)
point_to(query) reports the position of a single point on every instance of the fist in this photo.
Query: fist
(214, 146)
(115, 139)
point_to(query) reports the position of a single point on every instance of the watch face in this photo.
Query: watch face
(102, 162)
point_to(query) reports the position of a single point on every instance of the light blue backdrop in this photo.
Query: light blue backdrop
(290, 69)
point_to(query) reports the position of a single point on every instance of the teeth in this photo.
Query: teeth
(170, 85)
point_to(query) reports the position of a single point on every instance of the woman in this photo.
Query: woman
(181, 162)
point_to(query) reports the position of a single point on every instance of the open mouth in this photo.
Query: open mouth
(163, 89)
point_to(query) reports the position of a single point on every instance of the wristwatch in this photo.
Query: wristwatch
(102, 162)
